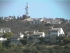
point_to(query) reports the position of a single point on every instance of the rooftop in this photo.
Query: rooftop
(5, 28)
(28, 19)
(55, 29)
(37, 33)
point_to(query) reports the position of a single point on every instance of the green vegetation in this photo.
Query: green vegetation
(34, 48)
(7, 35)
(66, 40)
(41, 47)
(24, 40)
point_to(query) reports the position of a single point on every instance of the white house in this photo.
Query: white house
(49, 20)
(37, 35)
(8, 18)
(54, 21)
(4, 30)
(56, 32)
(36, 21)
(41, 34)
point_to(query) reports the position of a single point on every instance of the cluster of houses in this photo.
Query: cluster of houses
(35, 35)
(14, 38)
(51, 37)
(8, 18)
(34, 21)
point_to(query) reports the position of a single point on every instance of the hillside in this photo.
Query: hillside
(20, 26)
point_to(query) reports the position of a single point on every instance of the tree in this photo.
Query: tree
(24, 40)
(18, 17)
(41, 40)
(7, 35)
(0, 45)
(6, 43)
(24, 16)
(66, 40)
(31, 49)
(1, 20)
(14, 17)
(63, 20)
(59, 38)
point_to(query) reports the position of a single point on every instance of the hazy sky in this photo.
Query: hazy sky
(37, 8)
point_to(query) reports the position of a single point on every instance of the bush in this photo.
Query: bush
(31, 49)
(66, 40)
(6, 43)
(23, 41)
(7, 35)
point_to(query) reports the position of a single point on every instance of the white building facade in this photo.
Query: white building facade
(57, 32)
(4, 30)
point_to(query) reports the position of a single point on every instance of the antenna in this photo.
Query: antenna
(26, 8)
